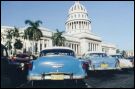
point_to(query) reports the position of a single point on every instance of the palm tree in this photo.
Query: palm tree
(18, 45)
(16, 35)
(9, 46)
(2, 36)
(33, 32)
(15, 32)
(9, 33)
(117, 51)
(58, 39)
(124, 54)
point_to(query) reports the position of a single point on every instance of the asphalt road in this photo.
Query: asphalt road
(98, 79)
(113, 79)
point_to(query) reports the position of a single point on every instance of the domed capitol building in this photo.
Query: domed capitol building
(77, 33)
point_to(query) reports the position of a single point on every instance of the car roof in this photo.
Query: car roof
(94, 52)
(58, 47)
(115, 54)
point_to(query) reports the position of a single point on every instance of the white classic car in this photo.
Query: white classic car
(123, 62)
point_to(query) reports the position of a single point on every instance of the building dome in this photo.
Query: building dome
(77, 19)
(77, 7)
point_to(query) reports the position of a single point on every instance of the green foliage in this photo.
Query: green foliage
(33, 32)
(8, 45)
(58, 39)
(18, 44)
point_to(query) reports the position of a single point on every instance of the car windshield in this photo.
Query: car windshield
(51, 52)
(91, 55)
(117, 56)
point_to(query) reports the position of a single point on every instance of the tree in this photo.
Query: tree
(9, 46)
(2, 36)
(58, 39)
(117, 51)
(33, 32)
(124, 53)
(9, 37)
(9, 34)
(15, 32)
(18, 44)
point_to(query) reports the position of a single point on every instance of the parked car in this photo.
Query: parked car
(100, 61)
(131, 59)
(22, 60)
(123, 62)
(56, 63)
(7, 69)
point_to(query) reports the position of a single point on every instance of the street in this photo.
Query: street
(98, 79)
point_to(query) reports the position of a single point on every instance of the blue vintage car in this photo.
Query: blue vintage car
(56, 63)
(100, 61)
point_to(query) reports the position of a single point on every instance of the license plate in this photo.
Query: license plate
(57, 77)
(104, 65)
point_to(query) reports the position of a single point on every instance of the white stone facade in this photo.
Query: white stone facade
(130, 53)
(78, 34)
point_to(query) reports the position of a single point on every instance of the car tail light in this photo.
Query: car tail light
(84, 65)
(30, 65)
(13, 58)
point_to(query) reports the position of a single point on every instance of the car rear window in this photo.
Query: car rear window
(57, 52)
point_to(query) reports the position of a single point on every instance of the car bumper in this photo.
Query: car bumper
(105, 68)
(49, 77)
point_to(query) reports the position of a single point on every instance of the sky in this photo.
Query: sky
(113, 21)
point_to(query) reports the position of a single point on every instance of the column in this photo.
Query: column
(77, 25)
(75, 47)
(38, 46)
(93, 47)
(90, 47)
(80, 24)
(87, 25)
(42, 44)
(72, 25)
(78, 46)
(72, 45)
(98, 47)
